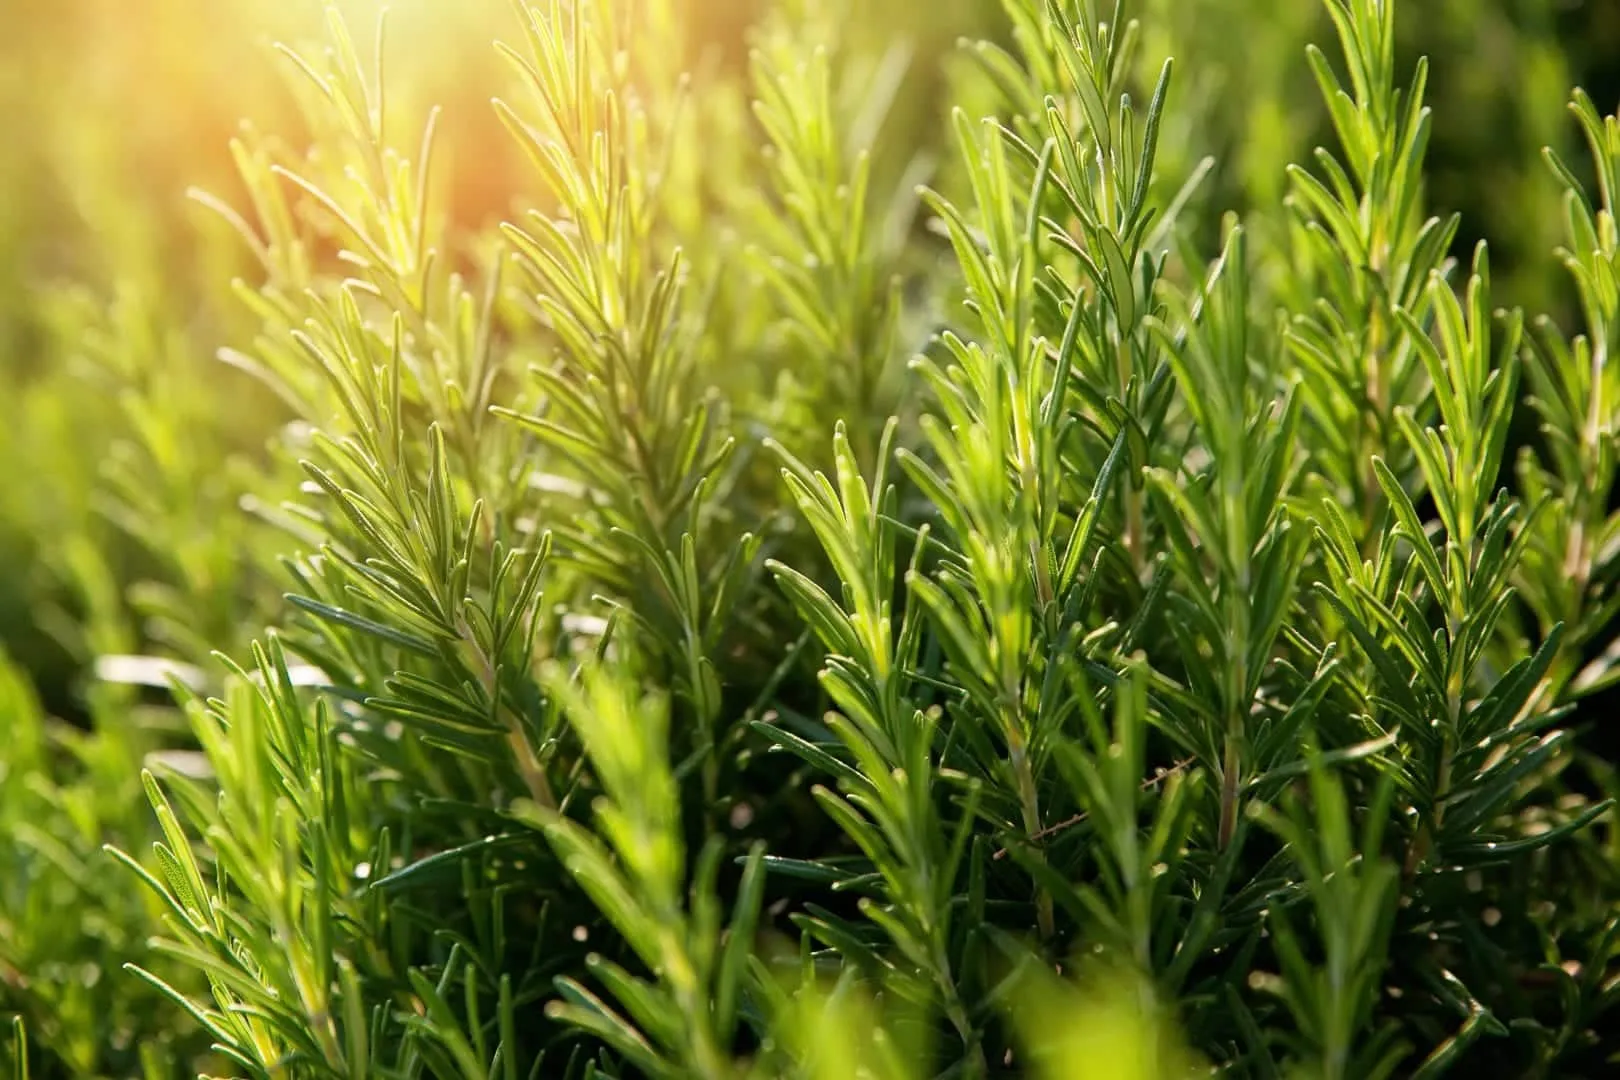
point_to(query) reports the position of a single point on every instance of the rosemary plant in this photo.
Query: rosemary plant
(820, 585)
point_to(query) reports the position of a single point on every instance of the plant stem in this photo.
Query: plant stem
(974, 1064)
(1029, 803)
(711, 786)
(529, 767)
(1424, 840)
(1372, 429)
(1134, 527)
(1230, 767)
(1239, 694)
(1134, 495)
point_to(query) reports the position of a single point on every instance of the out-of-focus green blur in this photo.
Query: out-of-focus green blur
(115, 287)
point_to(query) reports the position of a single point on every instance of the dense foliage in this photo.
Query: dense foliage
(859, 555)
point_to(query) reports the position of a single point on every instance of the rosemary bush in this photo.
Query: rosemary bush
(805, 580)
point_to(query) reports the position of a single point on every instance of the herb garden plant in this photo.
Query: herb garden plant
(803, 598)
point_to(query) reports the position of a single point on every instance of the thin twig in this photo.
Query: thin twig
(1078, 818)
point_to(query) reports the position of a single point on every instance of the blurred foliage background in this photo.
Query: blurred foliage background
(127, 448)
